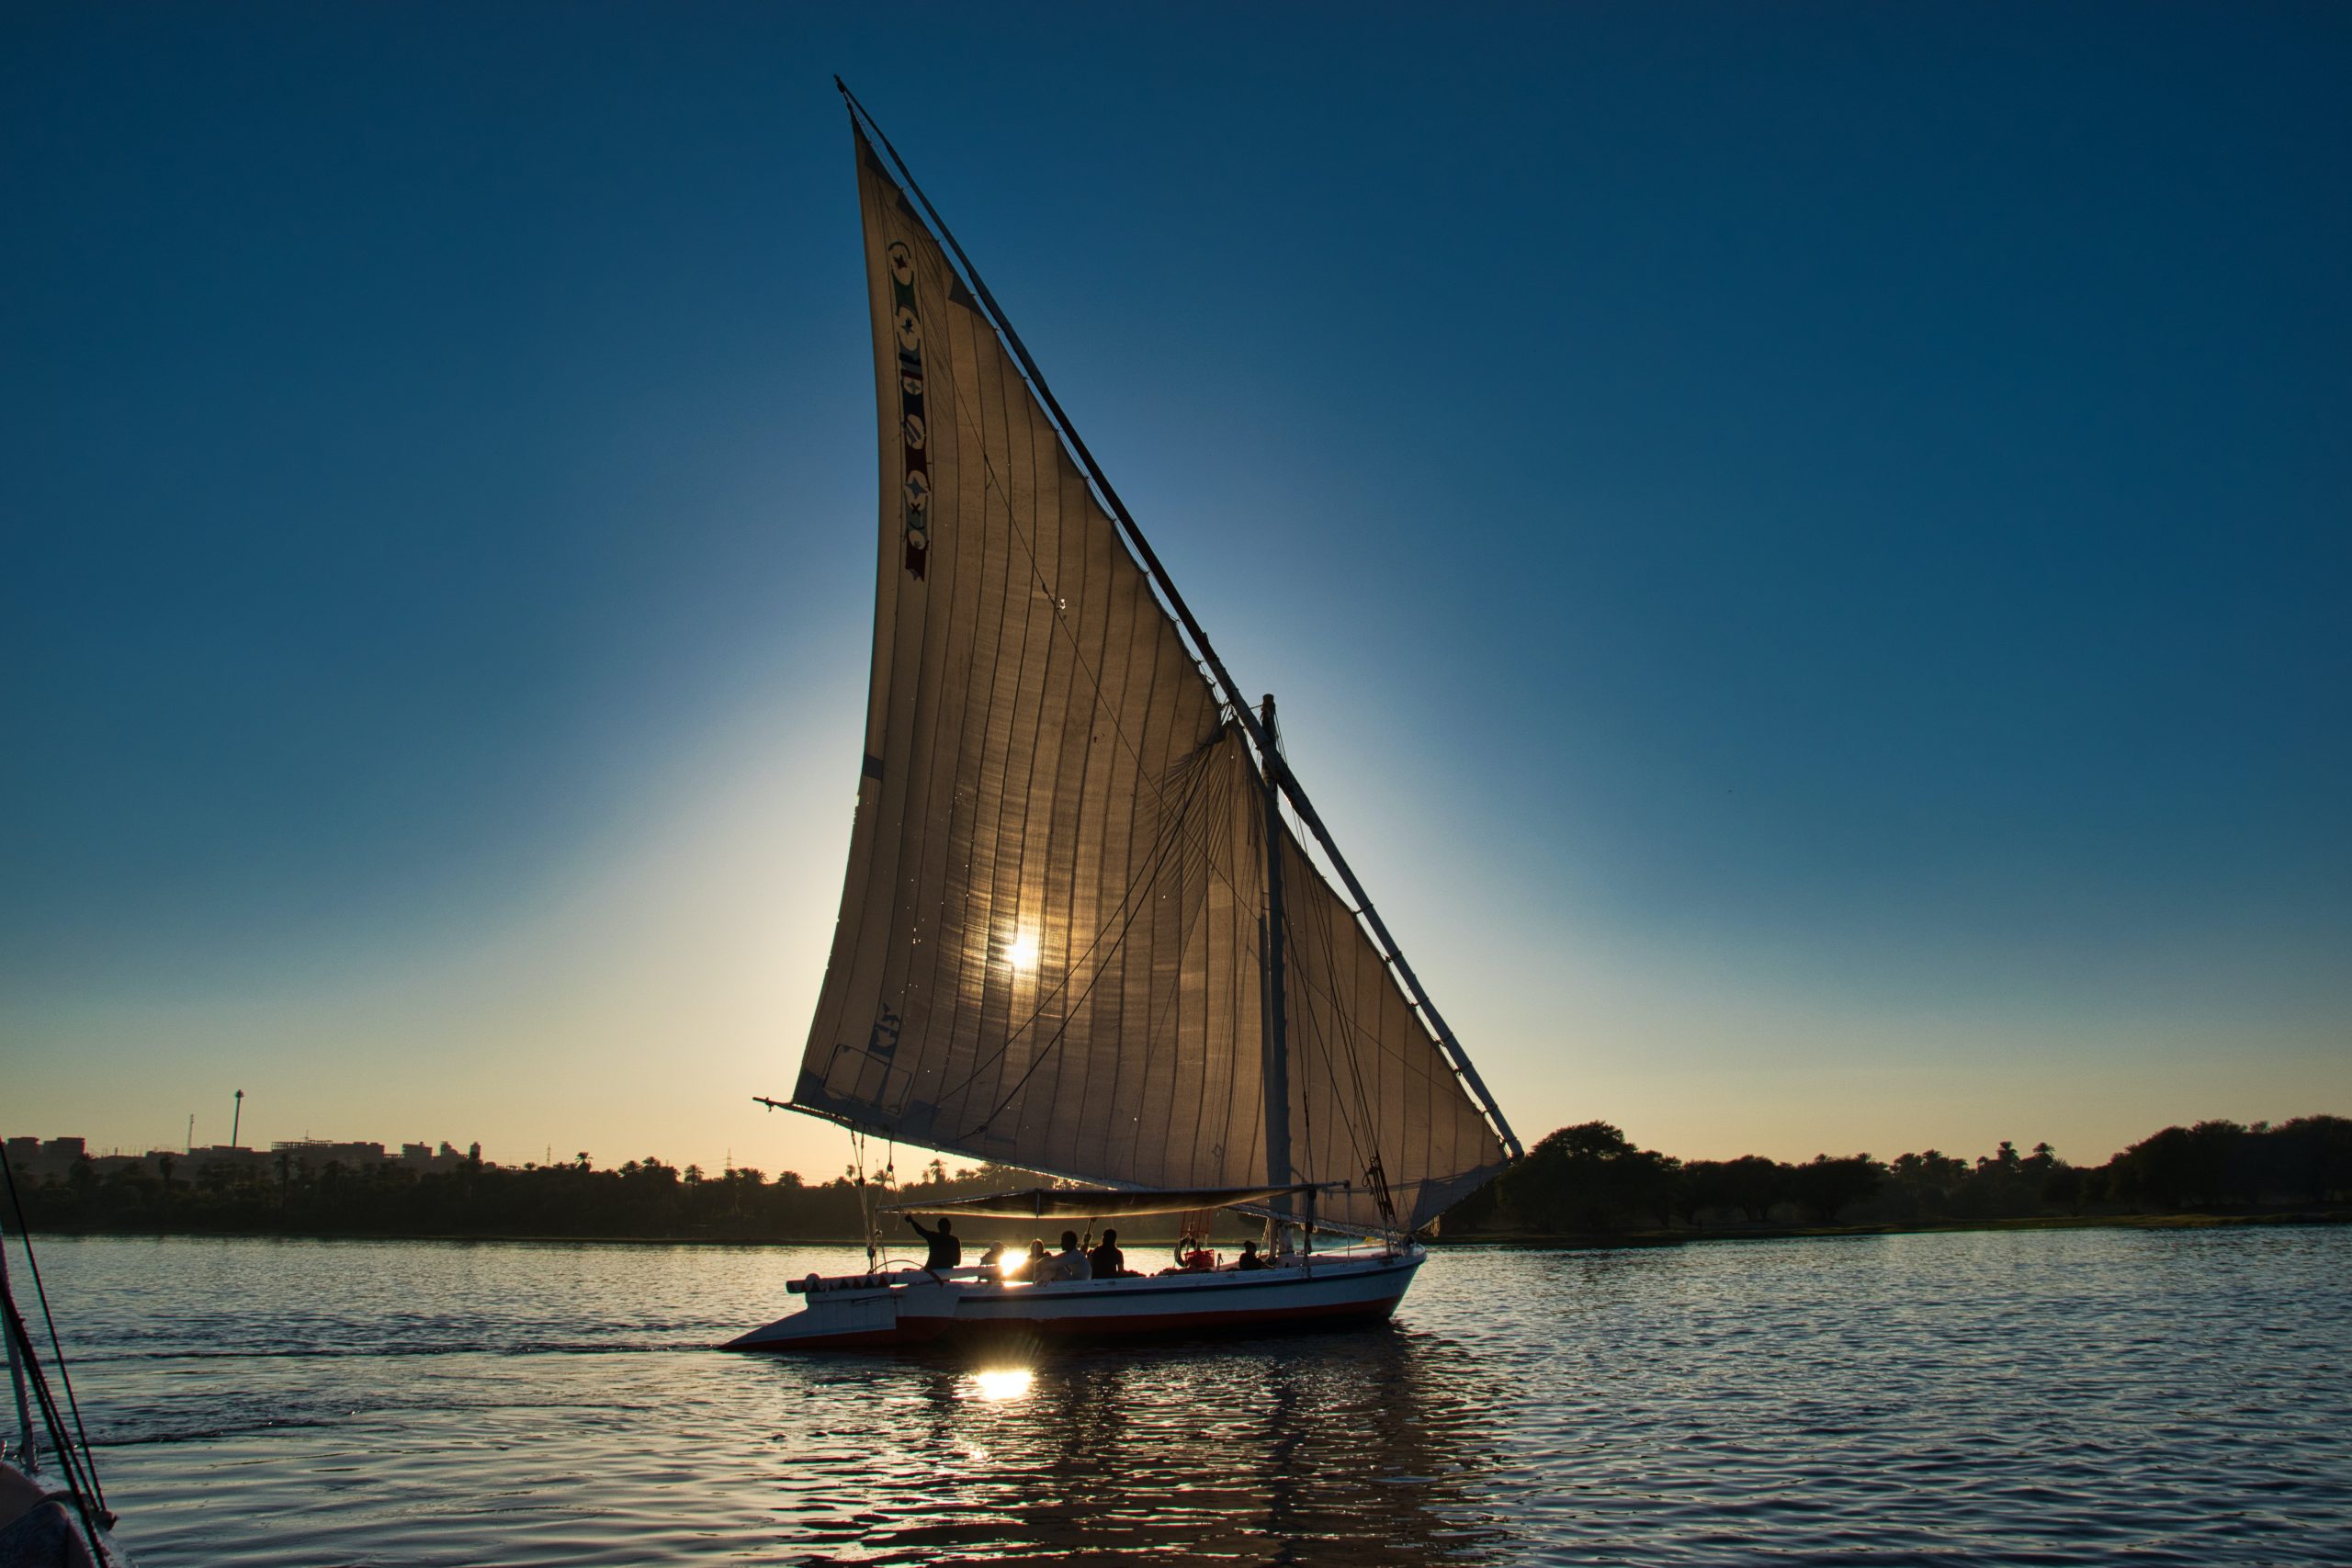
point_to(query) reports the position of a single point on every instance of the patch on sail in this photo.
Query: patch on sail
(914, 429)
(866, 1081)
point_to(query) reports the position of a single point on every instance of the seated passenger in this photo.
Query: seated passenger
(994, 1257)
(1193, 1253)
(1249, 1258)
(1031, 1266)
(1106, 1260)
(1069, 1263)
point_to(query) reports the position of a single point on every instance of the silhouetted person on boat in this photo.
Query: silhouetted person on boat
(1107, 1260)
(994, 1257)
(1069, 1263)
(1193, 1253)
(1249, 1258)
(945, 1250)
(1035, 1266)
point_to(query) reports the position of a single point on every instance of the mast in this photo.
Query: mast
(1281, 779)
(1276, 1074)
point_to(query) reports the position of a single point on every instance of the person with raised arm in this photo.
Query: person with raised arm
(947, 1251)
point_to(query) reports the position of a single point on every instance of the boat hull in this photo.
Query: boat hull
(878, 1316)
(1320, 1295)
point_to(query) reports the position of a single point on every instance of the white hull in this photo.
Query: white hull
(914, 1307)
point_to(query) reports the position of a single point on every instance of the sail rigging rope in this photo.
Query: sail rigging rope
(1037, 575)
(1170, 834)
(1348, 1033)
(1145, 877)
(992, 479)
(865, 1199)
(81, 1474)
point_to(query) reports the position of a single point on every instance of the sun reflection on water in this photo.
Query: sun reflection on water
(1002, 1383)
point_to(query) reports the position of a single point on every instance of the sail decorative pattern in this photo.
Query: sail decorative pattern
(1048, 948)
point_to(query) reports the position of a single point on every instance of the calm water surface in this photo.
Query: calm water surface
(2043, 1397)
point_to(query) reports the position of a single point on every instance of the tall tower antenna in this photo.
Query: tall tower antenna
(236, 1115)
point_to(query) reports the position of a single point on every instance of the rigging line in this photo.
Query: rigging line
(57, 1348)
(1178, 849)
(1169, 836)
(994, 481)
(1321, 917)
(1311, 1021)
(1368, 928)
(864, 1200)
(1169, 1020)
(1318, 1037)
(1141, 879)
(1408, 981)
(80, 1475)
(1053, 1042)
(1036, 573)
(1418, 1005)
(976, 422)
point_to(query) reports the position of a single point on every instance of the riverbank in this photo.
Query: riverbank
(1678, 1235)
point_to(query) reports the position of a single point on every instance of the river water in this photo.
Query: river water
(2043, 1397)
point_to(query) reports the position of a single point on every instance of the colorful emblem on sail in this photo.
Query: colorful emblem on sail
(914, 494)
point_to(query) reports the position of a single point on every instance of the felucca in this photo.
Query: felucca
(1085, 930)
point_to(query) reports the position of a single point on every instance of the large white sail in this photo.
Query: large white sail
(1049, 953)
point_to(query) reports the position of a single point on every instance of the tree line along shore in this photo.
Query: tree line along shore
(1587, 1181)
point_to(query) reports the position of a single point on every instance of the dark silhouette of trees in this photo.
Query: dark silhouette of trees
(1825, 1188)
(2065, 1188)
(1590, 1178)
(642, 1198)
(2307, 1160)
(1750, 1186)
(1585, 1177)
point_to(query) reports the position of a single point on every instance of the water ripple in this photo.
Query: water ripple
(2073, 1397)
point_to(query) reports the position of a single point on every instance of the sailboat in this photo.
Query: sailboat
(1093, 926)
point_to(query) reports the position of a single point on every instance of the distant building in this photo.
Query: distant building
(318, 1152)
(38, 1159)
(54, 1159)
(232, 1156)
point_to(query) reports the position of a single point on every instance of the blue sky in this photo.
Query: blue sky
(1803, 548)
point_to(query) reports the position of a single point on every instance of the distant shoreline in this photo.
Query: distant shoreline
(1570, 1241)
(1604, 1239)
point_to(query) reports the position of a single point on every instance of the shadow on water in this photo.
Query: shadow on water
(1327, 1448)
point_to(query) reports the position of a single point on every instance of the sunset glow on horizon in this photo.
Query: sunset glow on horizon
(1810, 640)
